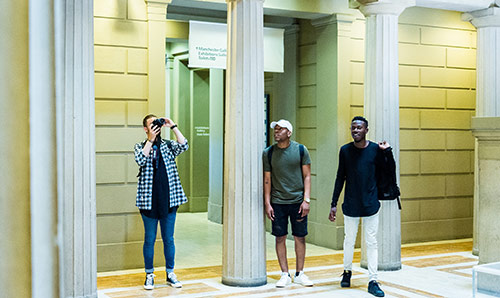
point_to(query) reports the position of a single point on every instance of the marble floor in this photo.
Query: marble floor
(435, 269)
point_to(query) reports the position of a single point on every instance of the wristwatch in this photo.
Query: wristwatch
(307, 200)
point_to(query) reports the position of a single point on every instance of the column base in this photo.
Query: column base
(244, 282)
(384, 267)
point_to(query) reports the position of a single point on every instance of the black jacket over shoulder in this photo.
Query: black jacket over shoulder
(386, 177)
(386, 181)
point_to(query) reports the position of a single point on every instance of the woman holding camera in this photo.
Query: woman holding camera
(159, 192)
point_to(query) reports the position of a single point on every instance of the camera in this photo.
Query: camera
(159, 122)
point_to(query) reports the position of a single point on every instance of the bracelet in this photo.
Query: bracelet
(150, 141)
(173, 126)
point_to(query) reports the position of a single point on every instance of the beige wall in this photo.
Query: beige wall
(121, 91)
(437, 100)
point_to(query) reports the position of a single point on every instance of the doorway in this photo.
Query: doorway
(196, 102)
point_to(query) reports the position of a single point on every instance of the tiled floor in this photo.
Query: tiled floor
(439, 269)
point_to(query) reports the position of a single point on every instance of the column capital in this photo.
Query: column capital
(385, 7)
(333, 19)
(157, 9)
(489, 17)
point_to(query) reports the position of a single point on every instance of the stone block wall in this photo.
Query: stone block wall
(437, 101)
(121, 101)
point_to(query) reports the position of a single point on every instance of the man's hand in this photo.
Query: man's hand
(270, 212)
(304, 208)
(383, 145)
(333, 214)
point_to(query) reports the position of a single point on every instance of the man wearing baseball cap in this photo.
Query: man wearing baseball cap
(287, 190)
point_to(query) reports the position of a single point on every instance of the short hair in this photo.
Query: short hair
(145, 120)
(359, 118)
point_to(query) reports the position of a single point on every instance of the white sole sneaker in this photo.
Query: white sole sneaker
(176, 285)
(284, 281)
(303, 280)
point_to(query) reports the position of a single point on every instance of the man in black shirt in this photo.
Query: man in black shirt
(359, 163)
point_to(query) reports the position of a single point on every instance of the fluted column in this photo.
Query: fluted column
(487, 22)
(76, 147)
(382, 111)
(15, 245)
(244, 259)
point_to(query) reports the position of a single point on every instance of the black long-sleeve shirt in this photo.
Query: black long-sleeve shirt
(161, 191)
(359, 168)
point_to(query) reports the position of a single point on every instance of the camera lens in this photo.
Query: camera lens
(159, 122)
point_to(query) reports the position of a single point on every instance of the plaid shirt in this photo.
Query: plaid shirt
(144, 198)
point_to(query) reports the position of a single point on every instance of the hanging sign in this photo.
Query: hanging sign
(208, 46)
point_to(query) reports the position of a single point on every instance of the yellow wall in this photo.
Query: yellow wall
(437, 99)
(121, 92)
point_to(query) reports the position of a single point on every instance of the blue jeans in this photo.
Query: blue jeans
(167, 234)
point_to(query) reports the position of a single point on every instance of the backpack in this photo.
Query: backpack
(270, 155)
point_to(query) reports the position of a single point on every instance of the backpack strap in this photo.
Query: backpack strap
(270, 155)
(301, 150)
(169, 145)
(140, 168)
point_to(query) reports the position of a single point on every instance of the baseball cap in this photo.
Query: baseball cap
(282, 123)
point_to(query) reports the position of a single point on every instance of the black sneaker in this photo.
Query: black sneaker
(149, 283)
(172, 280)
(346, 279)
(374, 289)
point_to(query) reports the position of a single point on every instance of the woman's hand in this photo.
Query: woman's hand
(168, 122)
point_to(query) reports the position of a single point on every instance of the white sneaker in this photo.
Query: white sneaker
(149, 284)
(285, 280)
(303, 280)
(172, 280)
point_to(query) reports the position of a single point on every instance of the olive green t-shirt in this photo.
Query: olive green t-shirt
(287, 183)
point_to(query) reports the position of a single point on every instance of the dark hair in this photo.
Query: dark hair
(145, 120)
(359, 118)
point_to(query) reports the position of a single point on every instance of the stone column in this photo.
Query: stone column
(157, 11)
(76, 147)
(382, 111)
(487, 132)
(244, 257)
(216, 151)
(15, 246)
(43, 170)
(487, 22)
